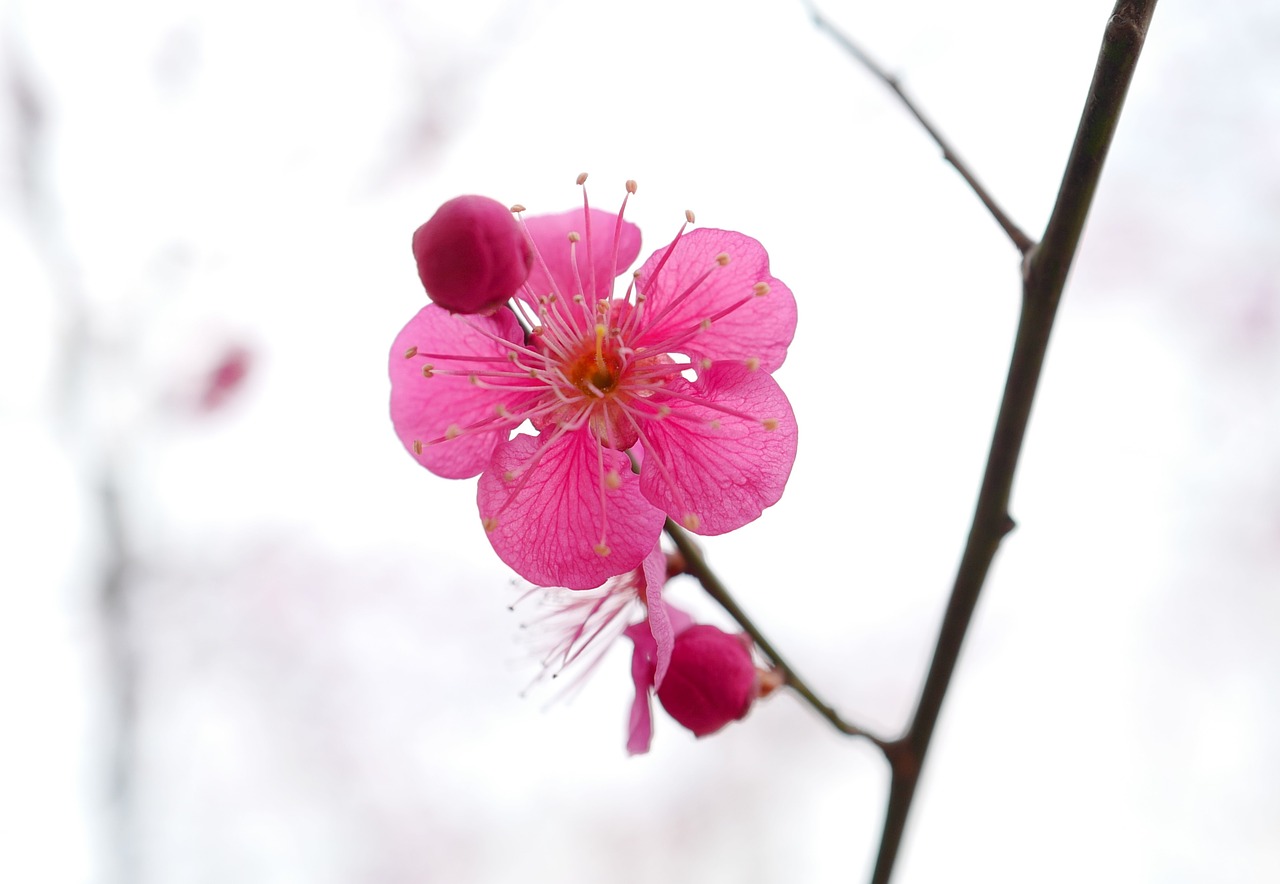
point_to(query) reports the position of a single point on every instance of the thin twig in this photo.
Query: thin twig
(1023, 242)
(696, 565)
(1044, 277)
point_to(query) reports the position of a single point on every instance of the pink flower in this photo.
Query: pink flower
(709, 681)
(471, 254)
(672, 375)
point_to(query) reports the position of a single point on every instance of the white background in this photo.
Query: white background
(329, 678)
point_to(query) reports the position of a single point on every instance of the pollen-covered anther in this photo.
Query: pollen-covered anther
(631, 185)
(704, 363)
(574, 237)
(705, 324)
(602, 550)
(427, 370)
(578, 299)
(752, 363)
(453, 432)
(411, 352)
(490, 524)
(760, 289)
(691, 521)
(582, 178)
(723, 259)
(508, 476)
(417, 446)
(516, 209)
(688, 215)
(770, 423)
(612, 480)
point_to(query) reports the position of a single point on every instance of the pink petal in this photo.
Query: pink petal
(545, 522)
(640, 727)
(550, 234)
(424, 408)
(725, 468)
(664, 621)
(760, 329)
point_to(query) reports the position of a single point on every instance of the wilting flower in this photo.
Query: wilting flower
(671, 377)
(581, 624)
(710, 679)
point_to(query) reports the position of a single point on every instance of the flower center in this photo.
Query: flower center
(597, 369)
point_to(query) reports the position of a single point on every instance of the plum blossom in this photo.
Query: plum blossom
(709, 680)
(670, 379)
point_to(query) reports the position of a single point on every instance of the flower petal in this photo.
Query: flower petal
(760, 329)
(424, 409)
(665, 621)
(550, 234)
(725, 468)
(546, 505)
(640, 727)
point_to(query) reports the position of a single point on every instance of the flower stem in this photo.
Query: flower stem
(696, 565)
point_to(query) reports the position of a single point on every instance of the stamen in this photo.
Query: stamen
(760, 289)
(411, 352)
(688, 215)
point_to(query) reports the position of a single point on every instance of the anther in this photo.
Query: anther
(417, 446)
(516, 209)
(490, 524)
(411, 352)
(688, 215)
(691, 521)
(723, 259)
(715, 425)
(602, 550)
(582, 179)
(705, 324)
(427, 370)
(760, 289)
(573, 236)
(704, 363)
(770, 423)
(612, 480)
(753, 363)
(453, 432)
(631, 185)
(473, 380)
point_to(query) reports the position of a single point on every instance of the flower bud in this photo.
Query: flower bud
(472, 255)
(711, 680)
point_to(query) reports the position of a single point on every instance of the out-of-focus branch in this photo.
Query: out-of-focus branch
(1023, 242)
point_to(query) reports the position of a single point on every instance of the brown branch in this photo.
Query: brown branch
(1023, 242)
(696, 566)
(1044, 277)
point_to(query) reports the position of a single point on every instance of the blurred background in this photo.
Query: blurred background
(243, 637)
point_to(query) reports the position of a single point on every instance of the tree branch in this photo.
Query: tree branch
(1023, 242)
(1044, 277)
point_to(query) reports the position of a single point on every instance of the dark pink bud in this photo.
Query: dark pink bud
(711, 680)
(472, 255)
